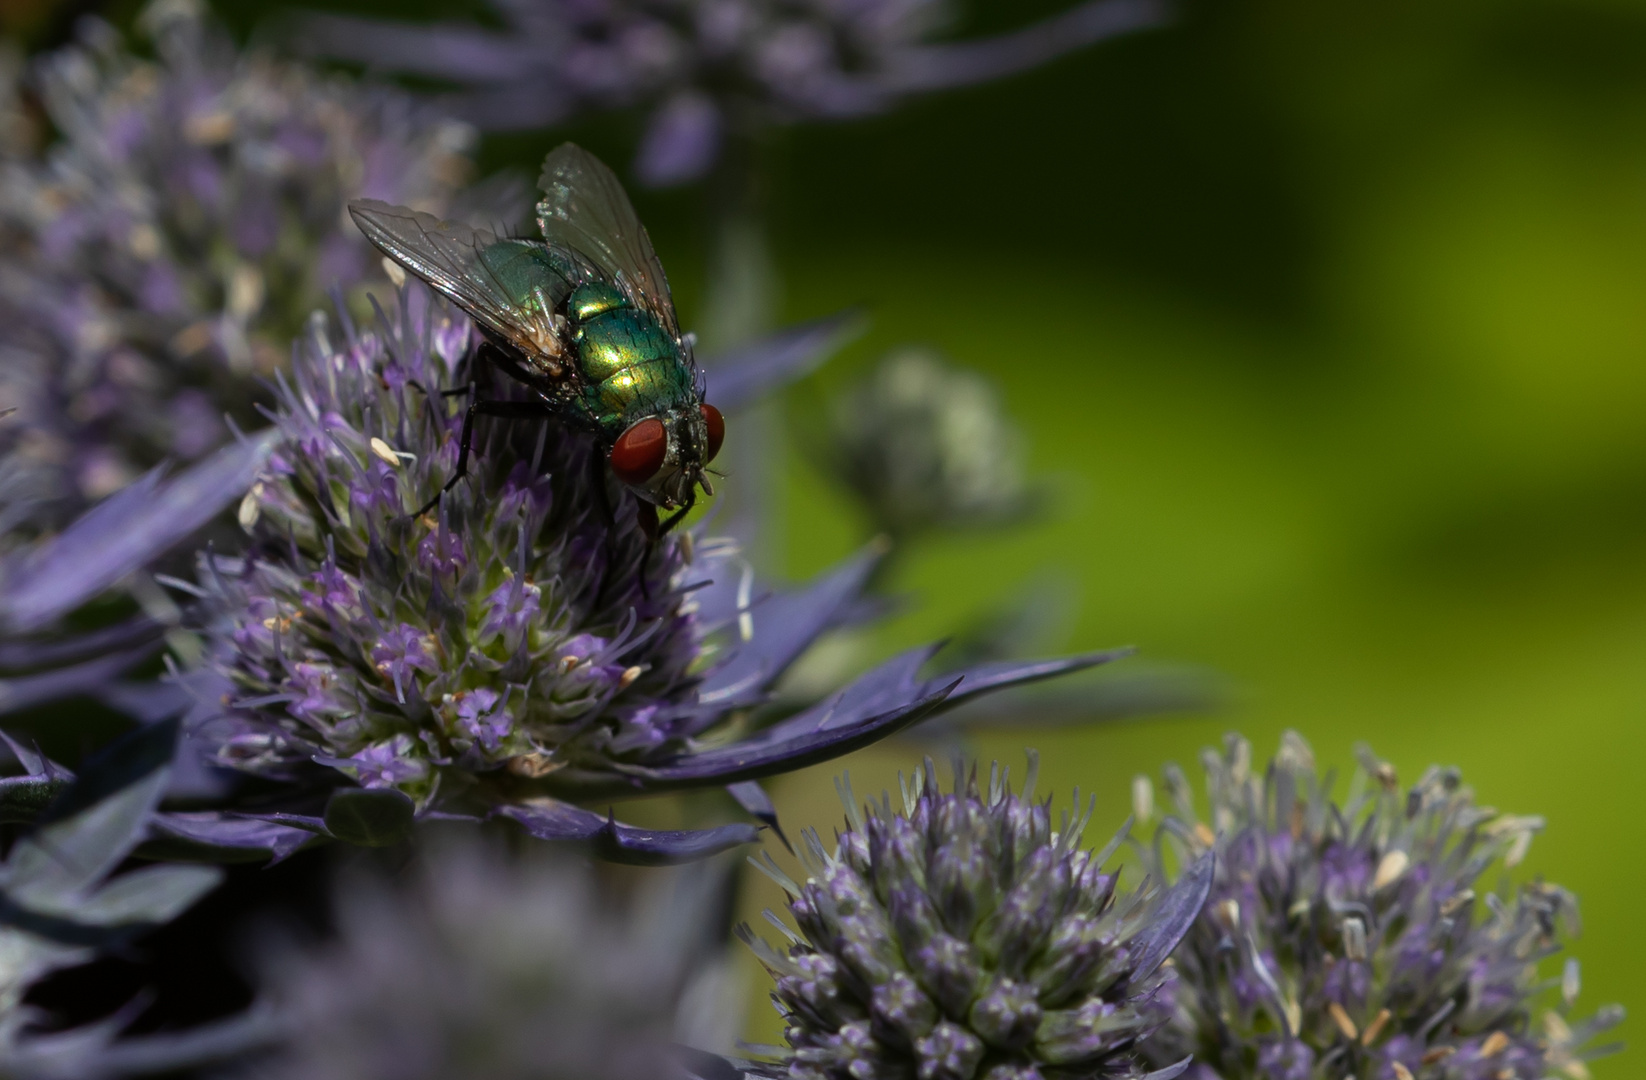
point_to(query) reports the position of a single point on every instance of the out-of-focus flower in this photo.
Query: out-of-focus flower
(970, 937)
(487, 968)
(61, 907)
(924, 445)
(1360, 938)
(703, 70)
(522, 649)
(161, 254)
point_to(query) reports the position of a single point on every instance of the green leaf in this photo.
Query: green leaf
(369, 817)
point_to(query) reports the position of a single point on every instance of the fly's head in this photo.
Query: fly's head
(662, 457)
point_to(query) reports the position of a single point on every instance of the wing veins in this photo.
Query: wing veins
(585, 208)
(430, 255)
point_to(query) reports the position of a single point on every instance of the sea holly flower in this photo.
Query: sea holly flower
(521, 650)
(968, 936)
(923, 445)
(705, 71)
(1365, 936)
(493, 968)
(162, 252)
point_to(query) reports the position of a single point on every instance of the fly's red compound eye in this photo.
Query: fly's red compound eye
(717, 431)
(639, 452)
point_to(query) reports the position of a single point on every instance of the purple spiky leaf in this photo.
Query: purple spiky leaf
(223, 837)
(941, 66)
(610, 839)
(1174, 916)
(123, 533)
(747, 373)
(776, 628)
(753, 799)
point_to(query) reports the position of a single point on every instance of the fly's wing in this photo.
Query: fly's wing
(449, 256)
(585, 208)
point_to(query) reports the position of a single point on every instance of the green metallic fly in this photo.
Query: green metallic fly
(583, 317)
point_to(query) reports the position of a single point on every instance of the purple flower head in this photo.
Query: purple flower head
(970, 936)
(1363, 937)
(515, 654)
(1284, 1058)
(158, 257)
(700, 69)
(332, 591)
(452, 342)
(379, 489)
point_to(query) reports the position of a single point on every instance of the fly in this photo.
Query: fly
(584, 318)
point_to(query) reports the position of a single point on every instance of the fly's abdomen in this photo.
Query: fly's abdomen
(630, 365)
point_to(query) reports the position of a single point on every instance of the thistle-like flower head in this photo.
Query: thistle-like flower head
(925, 445)
(969, 936)
(483, 968)
(703, 69)
(160, 254)
(523, 642)
(523, 623)
(1376, 936)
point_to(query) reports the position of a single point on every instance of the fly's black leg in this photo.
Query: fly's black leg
(645, 515)
(466, 388)
(675, 518)
(655, 532)
(597, 482)
(505, 410)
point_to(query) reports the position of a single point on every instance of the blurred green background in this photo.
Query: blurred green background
(1328, 326)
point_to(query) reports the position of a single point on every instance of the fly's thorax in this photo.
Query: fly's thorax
(592, 299)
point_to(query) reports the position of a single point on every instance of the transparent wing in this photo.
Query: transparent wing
(585, 208)
(446, 254)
